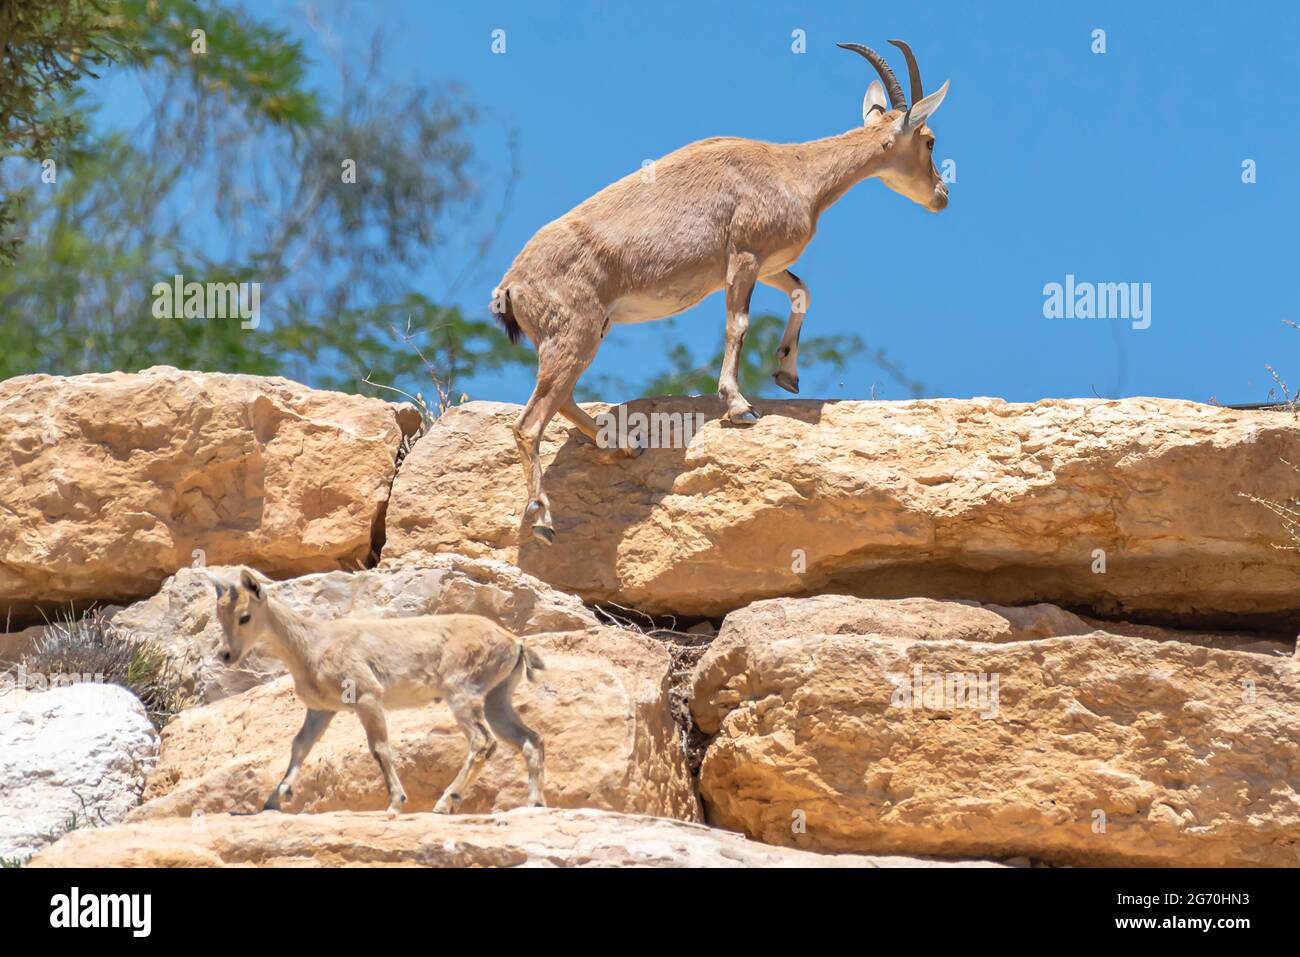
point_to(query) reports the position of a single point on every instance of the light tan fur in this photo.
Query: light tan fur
(723, 213)
(365, 665)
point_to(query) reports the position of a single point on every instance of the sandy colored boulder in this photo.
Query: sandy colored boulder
(181, 617)
(920, 619)
(973, 499)
(1091, 749)
(602, 704)
(115, 480)
(926, 619)
(527, 837)
(15, 644)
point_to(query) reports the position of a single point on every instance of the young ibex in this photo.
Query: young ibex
(365, 665)
(720, 213)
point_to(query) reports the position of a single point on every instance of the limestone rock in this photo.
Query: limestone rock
(915, 618)
(74, 756)
(116, 480)
(15, 644)
(602, 705)
(1092, 749)
(970, 499)
(925, 619)
(526, 837)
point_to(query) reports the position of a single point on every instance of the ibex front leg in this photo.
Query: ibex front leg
(312, 728)
(742, 273)
(787, 356)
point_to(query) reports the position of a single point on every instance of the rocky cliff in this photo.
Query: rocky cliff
(919, 632)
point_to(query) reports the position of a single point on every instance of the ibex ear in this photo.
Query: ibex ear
(922, 111)
(218, 586)
(873, 104)
(253, 586)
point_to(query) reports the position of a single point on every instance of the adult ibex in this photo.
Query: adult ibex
(365, 665)
(720, 213)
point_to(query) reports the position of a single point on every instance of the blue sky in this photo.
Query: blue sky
(1115, 167)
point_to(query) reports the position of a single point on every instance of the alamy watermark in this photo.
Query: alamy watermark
(619, 429)
(946, 691)
(1098, 300)
(179, 299)
(19, 678)
(129, 911)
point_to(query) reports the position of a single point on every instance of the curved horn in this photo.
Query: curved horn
(895, 91)
(913, 71)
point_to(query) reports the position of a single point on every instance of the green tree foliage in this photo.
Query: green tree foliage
(237, 174)
(46, 49)
(256, 65)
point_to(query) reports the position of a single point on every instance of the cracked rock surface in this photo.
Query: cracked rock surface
(113, 481)
(1086, 749)
(1119, 508)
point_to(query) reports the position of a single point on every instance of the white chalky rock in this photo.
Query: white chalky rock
(74, 756)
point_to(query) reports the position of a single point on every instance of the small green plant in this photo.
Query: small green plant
(89, 647)
(455, 334)
(1288, 511)
(1291, 400)
(71, 823)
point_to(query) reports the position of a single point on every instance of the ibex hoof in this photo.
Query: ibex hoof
(786, 381)
(633, 451)
(544, 535)
(748, 417)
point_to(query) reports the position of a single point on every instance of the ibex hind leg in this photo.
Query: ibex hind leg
(507, 725)
(561, 360)
(371, 713)
(468, 712)
(742, 273)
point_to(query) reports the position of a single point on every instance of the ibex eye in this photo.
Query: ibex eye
(243, 619)
(929, 144)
